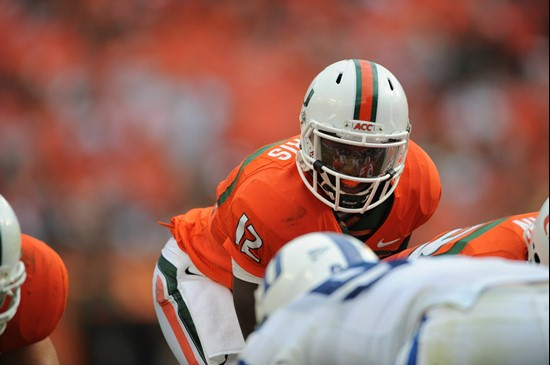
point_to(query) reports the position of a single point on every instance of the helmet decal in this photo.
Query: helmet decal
(308, 98)
(278, 270)
(349, 252)
(366, 95)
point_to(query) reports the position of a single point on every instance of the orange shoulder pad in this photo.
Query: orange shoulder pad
(43, 296)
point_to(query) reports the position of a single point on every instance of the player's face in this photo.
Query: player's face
(356, 161)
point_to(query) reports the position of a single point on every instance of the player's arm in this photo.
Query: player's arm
(501, 237)
(243, 299)
(39, 353)
(251, 240)
(248, 261)
(244, 284)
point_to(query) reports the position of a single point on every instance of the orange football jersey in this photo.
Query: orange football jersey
(43, 296)
(502, 237)
(263, 204)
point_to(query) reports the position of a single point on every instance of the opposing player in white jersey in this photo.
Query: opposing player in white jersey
(434, 310)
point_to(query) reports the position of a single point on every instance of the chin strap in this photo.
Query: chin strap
(325, 185)
(346, 200)
(318, 166)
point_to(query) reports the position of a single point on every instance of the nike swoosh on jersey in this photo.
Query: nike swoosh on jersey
(188, 272)
(384, 244)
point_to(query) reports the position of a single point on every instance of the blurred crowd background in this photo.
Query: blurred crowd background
(118, 114)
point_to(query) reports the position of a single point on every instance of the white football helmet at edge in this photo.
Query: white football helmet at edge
(12, 269)
(537, 238)
(303, 263)
(355, 128)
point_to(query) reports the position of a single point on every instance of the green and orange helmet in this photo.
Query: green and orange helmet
(355, 129)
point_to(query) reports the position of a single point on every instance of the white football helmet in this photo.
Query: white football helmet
(12, 269)
(355, 129)
(537, 238)
(303, 263)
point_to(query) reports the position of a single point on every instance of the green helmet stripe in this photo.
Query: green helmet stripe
(374, 92)
(358, 89)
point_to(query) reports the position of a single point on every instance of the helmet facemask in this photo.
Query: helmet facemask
(10, 282)
(12, 269)
(355, 171)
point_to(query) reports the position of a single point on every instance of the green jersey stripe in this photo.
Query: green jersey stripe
(223, 196)
(460, 244)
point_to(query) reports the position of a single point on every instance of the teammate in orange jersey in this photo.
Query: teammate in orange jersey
(517, 237)
(352, 169)
(33, 282)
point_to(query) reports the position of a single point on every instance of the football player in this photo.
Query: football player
(518, 237)
(437, 310)
(351, 169)
(34, 285)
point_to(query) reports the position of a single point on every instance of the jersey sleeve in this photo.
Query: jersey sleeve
(262, 205)
(43, 296)
(266, 217)
(503, 237)
(258, 232)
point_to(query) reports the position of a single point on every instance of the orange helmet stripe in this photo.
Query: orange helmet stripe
(366, 94)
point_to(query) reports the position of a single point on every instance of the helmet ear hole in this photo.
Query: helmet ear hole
(391, 85)
(339, 78)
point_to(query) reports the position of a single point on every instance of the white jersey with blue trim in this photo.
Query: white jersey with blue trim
(365, 314)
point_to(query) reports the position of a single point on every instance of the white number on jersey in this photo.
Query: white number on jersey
(429, 248)
(247, 245)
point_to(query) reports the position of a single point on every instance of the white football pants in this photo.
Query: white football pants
(196, 314)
